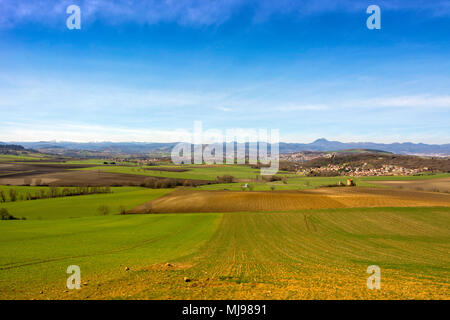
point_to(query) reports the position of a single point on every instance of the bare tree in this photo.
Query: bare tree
(12, 195)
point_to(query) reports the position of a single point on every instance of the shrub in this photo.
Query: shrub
(103, 210)
(225, 179)
(186, 183)
(122, 210)
(2, 196)
(332, 185)
(271, 178)
(167, 183)
(4, 215)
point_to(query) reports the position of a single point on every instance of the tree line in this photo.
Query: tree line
(53, 192)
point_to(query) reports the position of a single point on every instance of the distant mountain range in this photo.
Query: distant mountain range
(398, 148)
(318, 145)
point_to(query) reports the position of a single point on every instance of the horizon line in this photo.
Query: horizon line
(176, 142)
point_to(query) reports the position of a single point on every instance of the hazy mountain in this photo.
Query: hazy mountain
(318, 145)
(111, 147)
(399, 148)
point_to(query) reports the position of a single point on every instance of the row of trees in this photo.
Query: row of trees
(13, 195)
(52, 192)
(155, 183)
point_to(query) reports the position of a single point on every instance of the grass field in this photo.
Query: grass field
(297, 242)
(199, 172)
(210, 172)
(82, 206)
(10, 157)
(293, 182)
(313, 254)
(34, 255)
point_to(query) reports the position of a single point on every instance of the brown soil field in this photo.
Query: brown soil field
(187, 201)
(434, 185)
(60, 175)
(377, 197)
(21, 170)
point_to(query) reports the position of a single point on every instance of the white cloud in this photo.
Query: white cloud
(48, 95)
(224, 109)
(86, 133)
(74, 132)
(191, 12)
(305, 107)
(413, 101)
(42, 108)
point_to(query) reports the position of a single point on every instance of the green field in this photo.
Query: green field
(82, 206)
(302, 254)
(25, 157)
(34, 255)
(198, 172)
(314, 254)
(205, 172)
(293, 182)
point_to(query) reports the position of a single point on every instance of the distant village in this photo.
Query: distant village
(364, 170)
(304, 156)
(310, 163)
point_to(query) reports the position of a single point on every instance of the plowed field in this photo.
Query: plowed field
(231, 201)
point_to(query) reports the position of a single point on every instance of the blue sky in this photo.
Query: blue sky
(146, 70)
